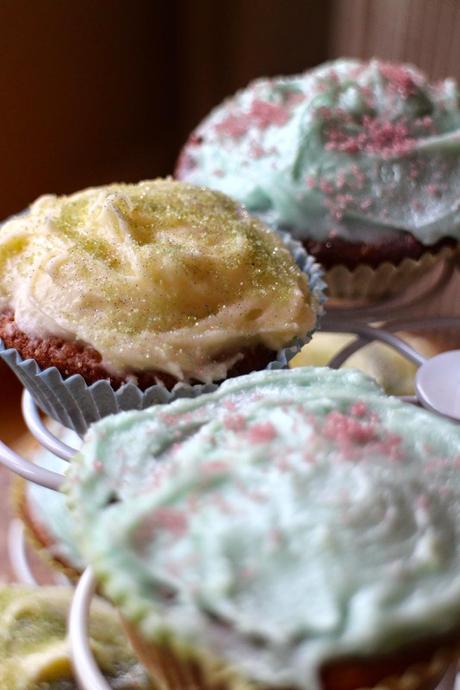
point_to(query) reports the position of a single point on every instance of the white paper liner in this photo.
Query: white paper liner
(366, 284)
(76, 405)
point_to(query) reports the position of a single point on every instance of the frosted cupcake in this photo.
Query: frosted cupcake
(34, 651)
(358, 160)
(291, 530)
(157, 285)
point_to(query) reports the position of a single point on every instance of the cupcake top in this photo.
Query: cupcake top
(34, 652)
(159, 275)
(348, 149)
(235, 522)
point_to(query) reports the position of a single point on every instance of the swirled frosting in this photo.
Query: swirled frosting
(155, 276)
(288, 519)
(350, 149)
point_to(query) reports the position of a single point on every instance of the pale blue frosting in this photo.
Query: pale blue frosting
(349, 149)
(287, 519)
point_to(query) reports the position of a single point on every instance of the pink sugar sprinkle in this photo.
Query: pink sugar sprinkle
(214, 467)
(294, 98)
(168, 419)
(262, 433)
(399, 78)
(266, 113)
(359, 409)
(343, 200)
(341, 428)
(98, 466)
(170, 519)
(234, 126)
(326, 187)
(423, 502)
(436, 464)
(426, 122)
(235, 422)
(390, 446)
(256, 151)
(341, 179)
(283, 465)
(433, 189)
(262, 114)
(376, 137)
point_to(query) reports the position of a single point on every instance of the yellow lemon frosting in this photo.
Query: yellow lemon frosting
(159, 275)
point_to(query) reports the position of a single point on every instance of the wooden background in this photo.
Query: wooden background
(96, 92)
(93, 92)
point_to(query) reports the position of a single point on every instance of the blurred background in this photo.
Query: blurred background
(94, 92)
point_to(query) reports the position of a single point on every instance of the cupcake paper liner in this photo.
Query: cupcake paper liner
(365, 284)
(174, 666)
(76, 405)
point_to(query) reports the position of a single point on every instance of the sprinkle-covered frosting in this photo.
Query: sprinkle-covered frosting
(155, 276)
(348, 149)
(288, 519)
(34, 650)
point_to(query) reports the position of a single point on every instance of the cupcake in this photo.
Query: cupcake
(148, 289)
(358, 160)
(34, 652)
(49, 525)
(294, 530)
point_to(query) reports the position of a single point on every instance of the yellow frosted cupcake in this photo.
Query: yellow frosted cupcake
(154, 284)
(34, 651)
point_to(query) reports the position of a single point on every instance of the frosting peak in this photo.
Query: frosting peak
(349, 148)
(160, 275)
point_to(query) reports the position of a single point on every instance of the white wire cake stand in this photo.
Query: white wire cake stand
(437, 386)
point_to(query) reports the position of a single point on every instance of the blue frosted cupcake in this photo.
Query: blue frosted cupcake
(358, 160)
(295, 530)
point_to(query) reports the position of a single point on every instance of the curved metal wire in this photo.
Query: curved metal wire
(27, 470)
(367, 334)
(38, 429)
(18, 558)
(17, 554)
(86, 670)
